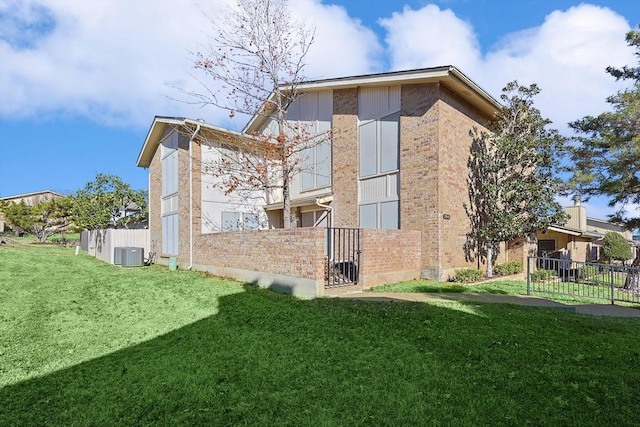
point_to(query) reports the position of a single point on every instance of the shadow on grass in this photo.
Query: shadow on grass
(268, 359)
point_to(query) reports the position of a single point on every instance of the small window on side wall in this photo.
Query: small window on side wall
(230, 221)
(250, 221)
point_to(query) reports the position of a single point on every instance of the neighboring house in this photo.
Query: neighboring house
(30, 199)
(130, 210)
(395, 167)
(580, 239)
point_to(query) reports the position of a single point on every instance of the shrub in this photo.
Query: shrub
(466, 275)
(542, 274)
(508, 268)
(616, 247)
(587, 271)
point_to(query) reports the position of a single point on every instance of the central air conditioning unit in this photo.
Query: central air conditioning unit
(129, 256)
(133, 257)
(117, 255)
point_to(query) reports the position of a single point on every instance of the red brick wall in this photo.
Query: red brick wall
(457, 119)
(345, 158)
(183, 198)
(434, 149)
(297, 253)
(389, 256)
(419, 159)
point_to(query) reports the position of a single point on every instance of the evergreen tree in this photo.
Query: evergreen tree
(513, 176)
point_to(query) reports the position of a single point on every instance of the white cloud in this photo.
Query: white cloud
(429, 37)
(342, 47)
(116, 61)
(566, 55)
(105, 60)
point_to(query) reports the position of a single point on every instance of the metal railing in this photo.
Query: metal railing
(612, 282)
(342, 252)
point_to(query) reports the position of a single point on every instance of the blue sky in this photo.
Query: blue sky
(80, 81)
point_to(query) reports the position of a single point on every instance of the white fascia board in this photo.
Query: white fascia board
(159, 125)
(564, 230)
(153, 138)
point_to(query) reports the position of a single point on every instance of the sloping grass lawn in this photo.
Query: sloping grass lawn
(85, 343)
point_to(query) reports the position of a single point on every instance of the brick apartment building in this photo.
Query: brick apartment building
(395, 167)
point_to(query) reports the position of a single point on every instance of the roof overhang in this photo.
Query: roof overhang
(564, 230)
(306, 201)
(448, 75)
(35, 193)
(210, 132)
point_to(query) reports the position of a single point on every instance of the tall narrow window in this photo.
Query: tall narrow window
(310, 116)
(379, 172)
(316, 166)
(169, 205)
(379, 145)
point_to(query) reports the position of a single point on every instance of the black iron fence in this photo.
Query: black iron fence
(342, 254)
(612, 282)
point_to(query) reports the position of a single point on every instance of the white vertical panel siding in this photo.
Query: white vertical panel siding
(376, 102)
(379, 188)
(213, 201)
(308, 104)
(325, 106)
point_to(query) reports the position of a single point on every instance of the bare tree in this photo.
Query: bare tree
(254, 66)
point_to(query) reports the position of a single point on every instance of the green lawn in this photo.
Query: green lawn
(555, 290)
(505, 287)
(85, 343)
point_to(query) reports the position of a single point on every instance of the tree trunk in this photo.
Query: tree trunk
(286, 199)
(490, 261)
(632, 283)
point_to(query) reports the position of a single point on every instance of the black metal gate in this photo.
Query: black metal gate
(342, 255)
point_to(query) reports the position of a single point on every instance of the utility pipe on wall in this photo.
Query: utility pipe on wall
(330, 213)
(191, 196)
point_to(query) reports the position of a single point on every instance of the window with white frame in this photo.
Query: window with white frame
(379, 145)
(380, 215)
(169, 204)
(379, 172)
(316, 166)
(310, 116)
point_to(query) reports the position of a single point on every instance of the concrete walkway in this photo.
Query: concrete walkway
(593, 309)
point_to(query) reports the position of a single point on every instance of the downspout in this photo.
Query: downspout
(191, 196)
(327, 207)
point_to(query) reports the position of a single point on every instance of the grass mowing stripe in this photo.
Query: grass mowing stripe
(260, 358)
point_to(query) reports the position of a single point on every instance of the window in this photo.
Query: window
(234, 221)
(316, 166)
(170, 165)
(170, 234)
(379, 176)
(546, 246)
(380, 145)
(169, 202)
(380, 215)
(230, 221)
(369, 216)
(250, 221)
